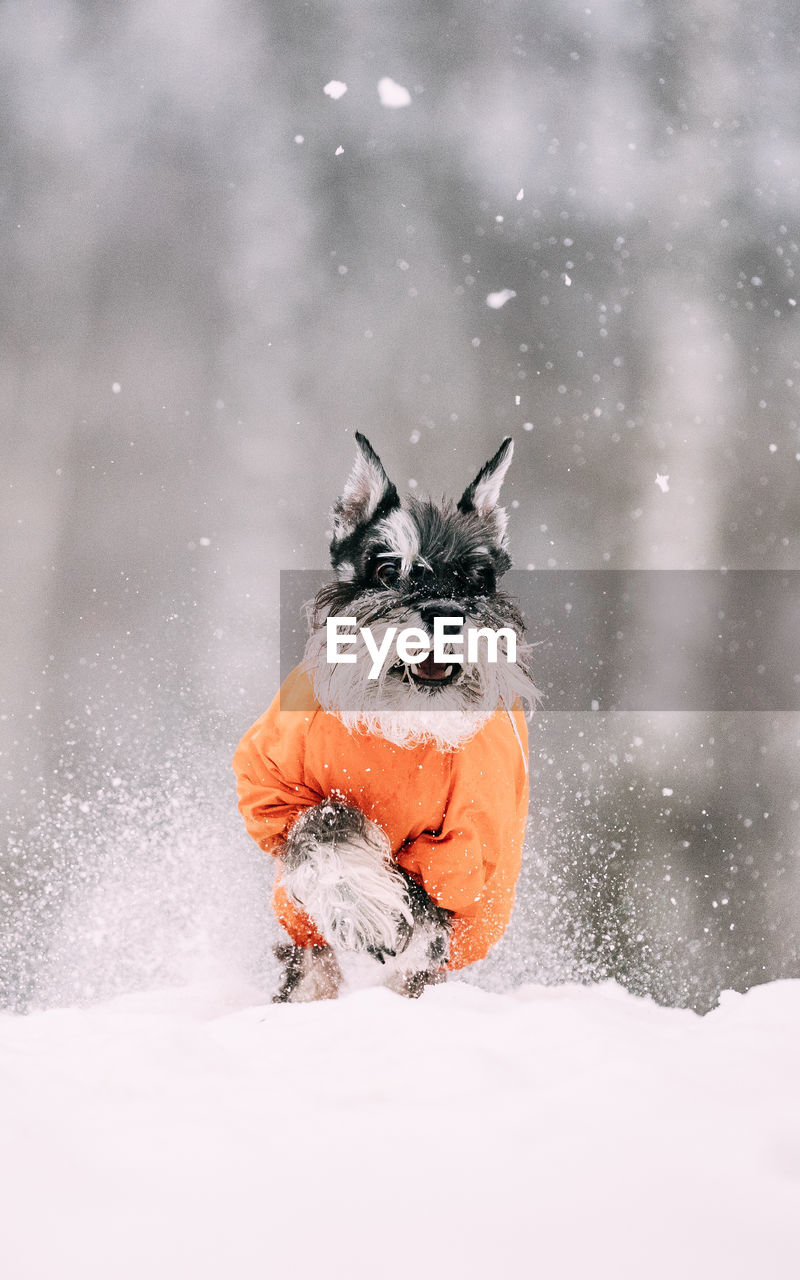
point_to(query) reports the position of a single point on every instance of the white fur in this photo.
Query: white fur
(403, 712)
(402, 535)
(351, 889)
(487, 491)
(500, 517)
(363, 490)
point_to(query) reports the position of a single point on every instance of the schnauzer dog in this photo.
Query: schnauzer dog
(394, 792)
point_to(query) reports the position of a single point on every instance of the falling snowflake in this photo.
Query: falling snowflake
(392, 94)
(663, 483)
(499, 299)
(335, 88)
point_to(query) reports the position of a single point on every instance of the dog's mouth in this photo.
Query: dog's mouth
(430, 673)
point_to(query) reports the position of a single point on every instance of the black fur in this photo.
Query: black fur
(425, 912)
(460, 545)
(291, 958)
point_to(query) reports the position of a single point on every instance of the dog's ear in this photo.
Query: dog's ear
(368, 493)
(483, 494)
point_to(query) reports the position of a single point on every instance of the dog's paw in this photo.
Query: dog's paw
(331, 821)
(413, 984)
(307, 973)
(428, 950)
(337, 866)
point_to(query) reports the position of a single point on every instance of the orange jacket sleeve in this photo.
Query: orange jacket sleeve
(270, 777)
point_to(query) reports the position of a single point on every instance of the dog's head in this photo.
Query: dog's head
(403, 565)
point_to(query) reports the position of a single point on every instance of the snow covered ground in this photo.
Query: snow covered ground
(556, 1132)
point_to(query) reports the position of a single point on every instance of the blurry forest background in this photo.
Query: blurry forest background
(215, 272)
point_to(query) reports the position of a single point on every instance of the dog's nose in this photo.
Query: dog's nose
(439, 609)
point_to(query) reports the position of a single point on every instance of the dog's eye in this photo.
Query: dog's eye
(386, 573)
(483, 579)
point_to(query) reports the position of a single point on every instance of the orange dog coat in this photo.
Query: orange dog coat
(455, 819)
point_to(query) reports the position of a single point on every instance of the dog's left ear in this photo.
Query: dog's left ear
(483, 494)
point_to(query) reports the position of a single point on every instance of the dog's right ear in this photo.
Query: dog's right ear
(368, 493)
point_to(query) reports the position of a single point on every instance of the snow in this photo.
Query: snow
(662, 482)
(500, 298)
(392, 94)
(561, 1131)
(335, 89)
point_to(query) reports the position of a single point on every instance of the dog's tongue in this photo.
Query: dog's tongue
(430, 670)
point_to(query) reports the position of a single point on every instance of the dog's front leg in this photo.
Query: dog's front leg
(337, 866)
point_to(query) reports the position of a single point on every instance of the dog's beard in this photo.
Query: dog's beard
(397, 707)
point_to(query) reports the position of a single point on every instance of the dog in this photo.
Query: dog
(395, 802)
